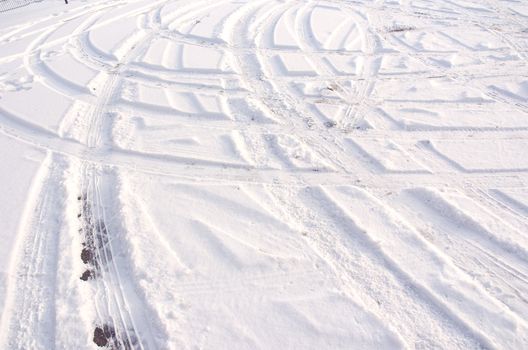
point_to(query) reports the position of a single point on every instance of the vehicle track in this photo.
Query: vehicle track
(302, 186)
(116, 324)
(29, 319)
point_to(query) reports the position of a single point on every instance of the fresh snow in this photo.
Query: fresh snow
(264, 174)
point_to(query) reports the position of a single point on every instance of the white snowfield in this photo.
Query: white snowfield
(264, 174)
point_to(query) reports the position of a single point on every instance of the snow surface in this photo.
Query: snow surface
(264, 174)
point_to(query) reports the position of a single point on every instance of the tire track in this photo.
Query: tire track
(117, 323)
(385, 290)
(501, 272)
(29, 319)
(369, 273)
(271, 92)
(103, 255)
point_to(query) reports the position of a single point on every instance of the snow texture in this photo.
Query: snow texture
(264, 174)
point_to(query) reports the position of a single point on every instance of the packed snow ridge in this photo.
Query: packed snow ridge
(264, 174)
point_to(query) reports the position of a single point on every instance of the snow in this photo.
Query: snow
(20, 164)
(264, 174)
